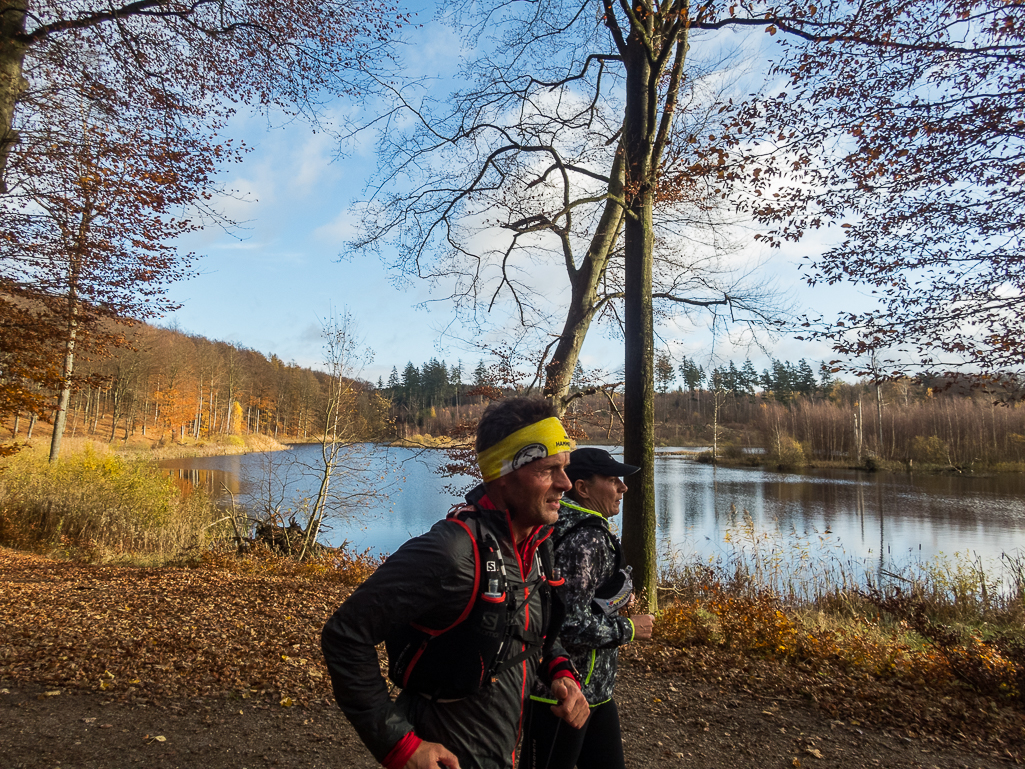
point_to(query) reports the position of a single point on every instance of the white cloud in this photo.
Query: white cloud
(337, 231)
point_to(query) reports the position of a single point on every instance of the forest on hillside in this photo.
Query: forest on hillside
(171, 386)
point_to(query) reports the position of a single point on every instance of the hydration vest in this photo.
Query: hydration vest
(485, 640)
(614, 593)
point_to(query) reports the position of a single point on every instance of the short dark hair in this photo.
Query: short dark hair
(503, 418)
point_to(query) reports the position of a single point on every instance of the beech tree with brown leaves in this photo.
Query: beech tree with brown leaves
(109, 117)
(89, 233)
(184, 64)
(906, 132)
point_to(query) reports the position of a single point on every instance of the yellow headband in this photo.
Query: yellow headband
(537, 441)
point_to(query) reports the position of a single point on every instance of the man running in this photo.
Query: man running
(464, 611)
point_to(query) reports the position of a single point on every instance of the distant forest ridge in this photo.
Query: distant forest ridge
(182, 386)
(794, 415)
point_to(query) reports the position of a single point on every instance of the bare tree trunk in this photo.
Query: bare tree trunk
(858, 431)
(78, 412)
(879, 416)
(97, 411)
(130, 422)
(64, 397)
(12, 82)
(584, 282)
(639, 382)
(199, 410)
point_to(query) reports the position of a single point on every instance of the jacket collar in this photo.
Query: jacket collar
(478, 497)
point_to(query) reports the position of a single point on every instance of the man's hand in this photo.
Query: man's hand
(431, 755)
(572, 707)
(643, 624)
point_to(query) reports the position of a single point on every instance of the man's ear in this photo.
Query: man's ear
(580, 488)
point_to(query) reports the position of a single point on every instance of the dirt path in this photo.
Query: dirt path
(693, 727)
(112, 667)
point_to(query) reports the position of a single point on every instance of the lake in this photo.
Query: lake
(875, 521)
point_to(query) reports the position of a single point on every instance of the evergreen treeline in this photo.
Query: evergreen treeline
(417, 394)
(781, 382)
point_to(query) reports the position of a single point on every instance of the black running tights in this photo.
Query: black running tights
(551, 743)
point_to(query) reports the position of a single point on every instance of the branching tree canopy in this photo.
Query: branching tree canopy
(540, 180)
(510, 196)
(915, 146)
(590, 136)
(183, 64)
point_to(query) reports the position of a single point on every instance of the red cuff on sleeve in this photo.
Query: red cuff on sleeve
(402, 750)
(561, 667)
(566, 674)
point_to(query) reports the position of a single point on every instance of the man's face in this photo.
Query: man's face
(532, 493)
(601, 493)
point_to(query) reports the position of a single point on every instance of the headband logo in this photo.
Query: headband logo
(528, 454)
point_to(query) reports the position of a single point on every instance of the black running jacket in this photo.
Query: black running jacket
(429, 581)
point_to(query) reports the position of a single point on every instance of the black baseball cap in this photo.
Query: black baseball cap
(583, 463)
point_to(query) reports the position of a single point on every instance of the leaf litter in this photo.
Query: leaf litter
(185, 639)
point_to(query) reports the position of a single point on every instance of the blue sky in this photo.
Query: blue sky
(270, 283)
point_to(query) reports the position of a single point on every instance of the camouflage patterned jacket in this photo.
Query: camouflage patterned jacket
(587, 559)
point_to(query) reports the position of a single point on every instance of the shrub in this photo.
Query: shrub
(787, 454)
(951, 622)
(732, 451)
(96, 503)
(930, 450)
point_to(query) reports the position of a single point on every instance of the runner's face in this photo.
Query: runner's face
(601, 493)
(534, 491)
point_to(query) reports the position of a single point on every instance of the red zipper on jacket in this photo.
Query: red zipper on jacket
(524, 554)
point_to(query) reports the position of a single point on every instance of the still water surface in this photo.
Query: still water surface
(872, 518)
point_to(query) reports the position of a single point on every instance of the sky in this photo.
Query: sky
(270, 283)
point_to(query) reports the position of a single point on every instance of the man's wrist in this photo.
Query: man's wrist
(567, 674)
(401, 751)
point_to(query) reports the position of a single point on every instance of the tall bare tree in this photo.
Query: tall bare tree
(583, 140)
(541, 190)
